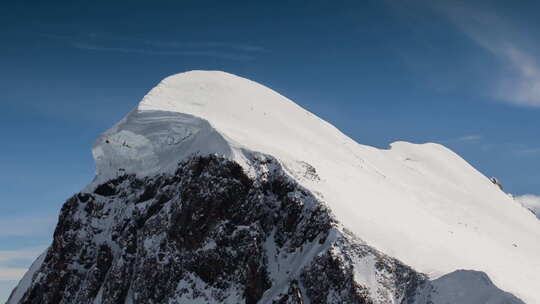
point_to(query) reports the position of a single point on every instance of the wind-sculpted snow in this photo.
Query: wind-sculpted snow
(153, 141)
(420, 204)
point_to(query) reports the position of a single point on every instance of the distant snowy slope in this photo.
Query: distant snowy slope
(531, 202)
(467, 287)
(422, 204)
(25, 282)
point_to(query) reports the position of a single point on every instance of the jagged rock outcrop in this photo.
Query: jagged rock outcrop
(211, 233)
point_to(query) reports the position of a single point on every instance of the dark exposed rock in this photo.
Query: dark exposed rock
(105, 190)
(334, 273)
(210, 232)
(497, 182)
(292, 296)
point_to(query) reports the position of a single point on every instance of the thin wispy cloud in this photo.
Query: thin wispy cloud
(515, 149)
(26, 226)
(120, 44)
(181, 44)
(12, 274)
(528, 151)
(93, 47)
(15, 263)
(468, 138)
(531, 202)
(7, 256)
(233, 46)
(496, 34)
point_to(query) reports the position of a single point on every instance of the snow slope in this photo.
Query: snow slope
(422, 204)
(468, 287)
(26, 281)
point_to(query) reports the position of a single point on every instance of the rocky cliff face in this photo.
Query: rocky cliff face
(211, 234)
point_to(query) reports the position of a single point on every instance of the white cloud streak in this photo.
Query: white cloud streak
(12, 274)
(494, 33)
(205, 53)
(529, 151)
(465, 139)
(26, 226)
(120, 44)
(7, 256)
(23, 256)
(531, 202)
(469, 138)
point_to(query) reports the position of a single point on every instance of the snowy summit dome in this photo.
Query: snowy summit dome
(420, 203)
(205, 112)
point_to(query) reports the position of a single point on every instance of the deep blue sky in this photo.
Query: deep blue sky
(464, 75)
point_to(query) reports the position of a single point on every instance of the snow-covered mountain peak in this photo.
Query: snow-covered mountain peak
(226, 100)
(420, 203)
(246, 112)
(208, 112)
(206, 91)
